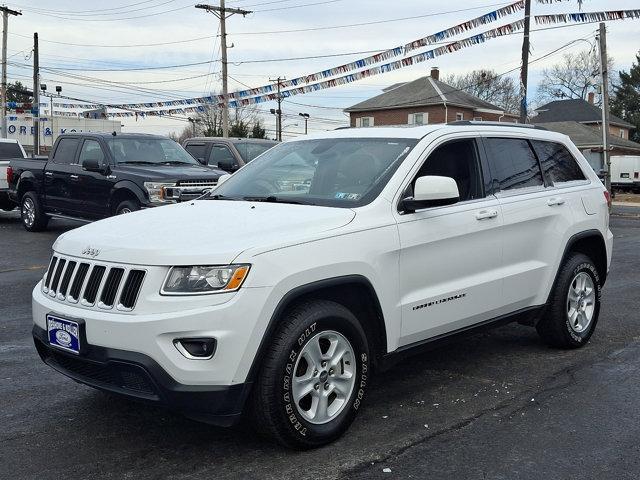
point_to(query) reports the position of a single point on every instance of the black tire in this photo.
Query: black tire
(275, 414)
(555, 326)
(32, 213)
(127, 206)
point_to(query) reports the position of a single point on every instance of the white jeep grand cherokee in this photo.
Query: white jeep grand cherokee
(322, 260)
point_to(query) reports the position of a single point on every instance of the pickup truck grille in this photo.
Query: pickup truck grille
(93, 284)
(198, 183)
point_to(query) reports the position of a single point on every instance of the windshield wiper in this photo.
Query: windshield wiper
(138, 162)
(177, 162)
(218, 197)
(273, 199)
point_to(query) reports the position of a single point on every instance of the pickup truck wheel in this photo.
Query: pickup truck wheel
(32, 213)
(127, 206)
(572, 313)
(313, 378)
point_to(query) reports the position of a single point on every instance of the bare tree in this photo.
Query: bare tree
(487, 85)
(574, 76)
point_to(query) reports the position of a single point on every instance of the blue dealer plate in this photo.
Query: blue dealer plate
(64, 334)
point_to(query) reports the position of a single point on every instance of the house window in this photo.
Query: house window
(622, 133)
(364, 122)
(418, 118)
(477, 119)
(459, 116)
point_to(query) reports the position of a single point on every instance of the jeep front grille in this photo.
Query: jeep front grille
(93, 284)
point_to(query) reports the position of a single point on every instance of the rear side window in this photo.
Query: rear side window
(10, 150)
(513, 163)
(66, 151)
(197, 150)
(557, 162)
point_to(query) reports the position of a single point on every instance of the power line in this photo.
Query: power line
(297, 6)
(94, 45)
(83, 11)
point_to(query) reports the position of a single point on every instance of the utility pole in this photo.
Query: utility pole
(35, 106)
(604, 76)
(524, 73)
(279, 110)
(3, 94)
(223, 13)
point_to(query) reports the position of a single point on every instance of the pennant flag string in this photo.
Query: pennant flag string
(355, 65)
(587, 17)
(352, 77)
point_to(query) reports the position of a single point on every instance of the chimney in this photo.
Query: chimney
(435, 73)
(591, 97)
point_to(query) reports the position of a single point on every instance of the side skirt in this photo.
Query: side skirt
(525, 316)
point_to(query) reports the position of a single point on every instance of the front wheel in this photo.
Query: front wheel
(314, 376)
(574, 305)
(127, 206)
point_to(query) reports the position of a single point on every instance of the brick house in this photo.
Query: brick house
(424, 101)
(582, 111)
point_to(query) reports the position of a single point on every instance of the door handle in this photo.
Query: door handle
(74, 177)
(555, 201)
(486, 214)
(48, 174)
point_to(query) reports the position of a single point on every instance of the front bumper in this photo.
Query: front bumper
(139, 377)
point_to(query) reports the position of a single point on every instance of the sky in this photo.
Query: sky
(93, 48)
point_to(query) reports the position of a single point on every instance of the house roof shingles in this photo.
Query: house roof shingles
(578, 110)
(585, 136)
(424, 91)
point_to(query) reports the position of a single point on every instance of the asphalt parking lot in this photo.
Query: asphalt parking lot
(495, 405)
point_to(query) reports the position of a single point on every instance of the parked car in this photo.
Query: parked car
(9, 148)
(90, 176)
(228, 154)
(286, 304)
(625, 173)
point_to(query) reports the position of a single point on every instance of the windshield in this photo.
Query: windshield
(337, 172)
(149, 150)
(250, 150)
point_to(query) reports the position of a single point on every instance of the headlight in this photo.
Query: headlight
(158, 191)
(204, 279)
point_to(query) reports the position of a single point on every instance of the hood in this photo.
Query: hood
(170, 172)
(201, 232)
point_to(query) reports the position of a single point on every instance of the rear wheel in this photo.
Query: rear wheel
(314, 376)
(127, 206)
(32, 213)
(571, 316)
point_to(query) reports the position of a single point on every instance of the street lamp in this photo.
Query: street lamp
(306, 119)
(278, 113)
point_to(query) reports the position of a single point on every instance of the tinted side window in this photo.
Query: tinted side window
(459, 160)
(557, 162)
(66, 151)
(10, 150)
(91, 150)
(220, 153)
(513, 163)
(197, 150)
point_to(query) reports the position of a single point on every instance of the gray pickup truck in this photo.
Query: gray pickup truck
(228, 154)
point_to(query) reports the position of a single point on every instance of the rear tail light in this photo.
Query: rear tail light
(10, 175)
(607, 197)
(636, 174)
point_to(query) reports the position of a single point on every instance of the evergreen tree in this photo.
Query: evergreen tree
(239, 129)
(626, 100)
(258, 131)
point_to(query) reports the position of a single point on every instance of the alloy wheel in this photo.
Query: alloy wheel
(581, 300)
(324, 377)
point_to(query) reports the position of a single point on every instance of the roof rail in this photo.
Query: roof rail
(496, 124)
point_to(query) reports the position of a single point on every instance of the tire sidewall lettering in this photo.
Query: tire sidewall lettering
(290, 410)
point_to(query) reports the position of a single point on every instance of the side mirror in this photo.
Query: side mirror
(92, 165)
(228, 165)
(223, 178)
(432, 191)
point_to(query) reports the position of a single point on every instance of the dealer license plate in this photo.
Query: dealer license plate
(63, 333)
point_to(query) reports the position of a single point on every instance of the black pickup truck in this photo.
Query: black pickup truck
(89, 176)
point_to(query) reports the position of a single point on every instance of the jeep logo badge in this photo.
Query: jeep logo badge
(91, 252)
